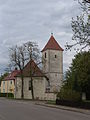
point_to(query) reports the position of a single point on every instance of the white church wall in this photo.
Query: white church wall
(39, 89)
(53, 68)
(38, 86)
(18, 88)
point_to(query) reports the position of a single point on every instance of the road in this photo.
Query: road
(19, 110)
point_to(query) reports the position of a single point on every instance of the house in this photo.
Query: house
(8, 84)
(46, 82)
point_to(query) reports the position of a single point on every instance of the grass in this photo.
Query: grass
(87, 101)
(53, 102)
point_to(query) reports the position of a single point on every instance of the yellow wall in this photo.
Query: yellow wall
(7, 86)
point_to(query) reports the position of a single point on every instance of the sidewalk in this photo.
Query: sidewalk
(84, 111)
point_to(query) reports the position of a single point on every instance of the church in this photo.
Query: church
(46, 82)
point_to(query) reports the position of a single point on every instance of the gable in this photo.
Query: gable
(31, 69)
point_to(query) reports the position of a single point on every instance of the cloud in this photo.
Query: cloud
(64, 34)
(23, 20)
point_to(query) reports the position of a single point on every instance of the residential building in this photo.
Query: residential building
(8, 84)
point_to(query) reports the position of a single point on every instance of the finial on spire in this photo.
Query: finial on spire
(51, 34)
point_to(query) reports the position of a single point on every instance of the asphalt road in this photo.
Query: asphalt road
(19, 110)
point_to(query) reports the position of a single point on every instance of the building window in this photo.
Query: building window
(11, 82)
(45, 55)
(30, 85)
(55, 56)
(48, 87)
(3, 90)
(3, 82)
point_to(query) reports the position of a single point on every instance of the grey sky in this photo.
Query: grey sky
(24, 20)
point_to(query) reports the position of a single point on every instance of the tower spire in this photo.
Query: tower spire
(52, 44)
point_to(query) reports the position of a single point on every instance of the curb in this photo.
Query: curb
(84, 111)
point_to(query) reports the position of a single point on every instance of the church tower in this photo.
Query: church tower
(52, 55)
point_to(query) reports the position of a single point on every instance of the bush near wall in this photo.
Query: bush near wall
(71, 98)
(69, 95)
(10, 95)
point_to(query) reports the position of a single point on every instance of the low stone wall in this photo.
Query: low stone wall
(46, 96)
(50, 96)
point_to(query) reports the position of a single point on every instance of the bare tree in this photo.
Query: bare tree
(81, 34)
(9, 68)
(20, 55)
(34, 54)
(81, 28)
(18, 59)
(85, 5)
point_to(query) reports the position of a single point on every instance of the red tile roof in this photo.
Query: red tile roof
(12, 75)
(32, 67)
(52, 45)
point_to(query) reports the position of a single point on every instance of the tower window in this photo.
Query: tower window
(45, 55)
(55, 56)
(30, 85)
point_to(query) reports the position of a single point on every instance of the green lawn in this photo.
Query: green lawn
(51, 102)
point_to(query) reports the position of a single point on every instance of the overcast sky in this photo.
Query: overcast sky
(34, 20)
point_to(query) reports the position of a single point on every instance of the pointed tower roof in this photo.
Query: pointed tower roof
(52, 44)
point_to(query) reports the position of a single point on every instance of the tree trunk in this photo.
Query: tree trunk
(32, 92)
(22, 93)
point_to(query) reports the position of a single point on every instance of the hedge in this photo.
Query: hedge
(77, 104)
(69, 95)
(10, 95)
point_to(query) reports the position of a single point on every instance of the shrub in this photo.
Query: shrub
(10, 95)
(69, 95)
